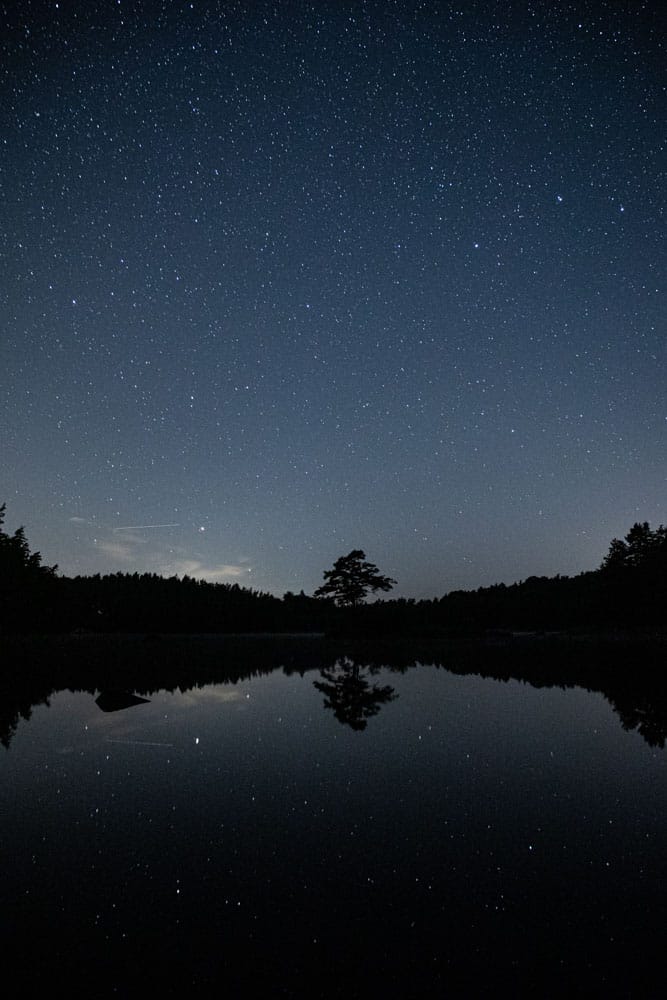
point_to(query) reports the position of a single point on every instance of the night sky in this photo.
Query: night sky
(283, 279)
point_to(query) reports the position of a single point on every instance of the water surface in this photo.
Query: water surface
(452, 832)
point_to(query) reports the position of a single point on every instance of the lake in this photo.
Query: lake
(334, 832)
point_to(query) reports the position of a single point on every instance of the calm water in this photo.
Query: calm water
(472, 834)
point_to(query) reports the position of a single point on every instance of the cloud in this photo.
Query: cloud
(128, 538)
(122, 552)
(220, 573)
(137, 553)
(195, 696)
(78, 520)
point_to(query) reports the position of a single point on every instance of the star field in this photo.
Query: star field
(279, 280)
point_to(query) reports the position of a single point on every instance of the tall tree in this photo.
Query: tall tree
(641, 548)
(26, 586)
(17, 562)
(351, 579)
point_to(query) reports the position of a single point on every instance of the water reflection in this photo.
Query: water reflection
(350, 695)
(646, 717)
(479, 837)
(126, 670)
(118, 701)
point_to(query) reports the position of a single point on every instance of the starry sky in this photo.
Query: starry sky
(283, 279)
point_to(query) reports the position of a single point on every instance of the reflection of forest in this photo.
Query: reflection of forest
(629, 673)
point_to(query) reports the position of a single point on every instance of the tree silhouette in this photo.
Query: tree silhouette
(351, 579)
(642, 547)
(634, 576)
(17, 562)
(26, 586)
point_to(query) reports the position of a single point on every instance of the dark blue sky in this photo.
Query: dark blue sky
(288, 279)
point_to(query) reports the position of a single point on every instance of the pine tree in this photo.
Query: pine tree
(351, 579)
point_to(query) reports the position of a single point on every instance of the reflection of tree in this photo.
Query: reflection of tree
(650, 720)
(351, 696)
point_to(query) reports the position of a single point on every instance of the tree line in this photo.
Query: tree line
(628, 590)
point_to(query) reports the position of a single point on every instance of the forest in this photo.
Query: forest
(627, 591)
